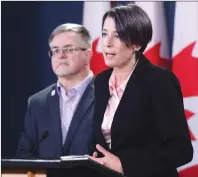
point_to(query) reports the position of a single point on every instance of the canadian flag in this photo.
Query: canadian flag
(92, 20)
(185, 66)
(157, 50)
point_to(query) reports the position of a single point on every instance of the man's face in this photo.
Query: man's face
(66, 63)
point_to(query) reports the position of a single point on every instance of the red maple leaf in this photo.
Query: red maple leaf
(185, 67)
(189, 172)
(153, 55)
(97, 63)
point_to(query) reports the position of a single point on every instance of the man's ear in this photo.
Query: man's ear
(89, 53)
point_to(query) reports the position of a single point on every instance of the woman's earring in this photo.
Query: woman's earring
(137, 49)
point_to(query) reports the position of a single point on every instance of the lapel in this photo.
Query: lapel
(55, 130)
(85, 102)
(102, 96)
(128, 105)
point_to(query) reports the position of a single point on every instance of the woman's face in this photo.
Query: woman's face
(115, 52)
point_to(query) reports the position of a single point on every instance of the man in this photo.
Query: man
(59, 118)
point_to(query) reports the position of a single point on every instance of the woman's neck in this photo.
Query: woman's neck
(122, 73)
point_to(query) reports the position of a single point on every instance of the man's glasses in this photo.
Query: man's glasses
(68, 49)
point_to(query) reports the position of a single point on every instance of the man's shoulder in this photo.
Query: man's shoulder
(42, 94)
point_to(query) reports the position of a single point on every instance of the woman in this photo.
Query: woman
(139, 121)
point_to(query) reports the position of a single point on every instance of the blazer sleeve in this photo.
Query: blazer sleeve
(176, 149)
(27, 140)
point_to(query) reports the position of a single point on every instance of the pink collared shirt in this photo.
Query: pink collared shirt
(116, 93)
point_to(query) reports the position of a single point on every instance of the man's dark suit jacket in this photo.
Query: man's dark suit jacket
(43, 113)
(149, 132)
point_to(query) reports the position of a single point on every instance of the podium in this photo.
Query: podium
(69, 167)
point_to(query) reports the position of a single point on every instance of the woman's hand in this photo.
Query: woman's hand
(109, 159)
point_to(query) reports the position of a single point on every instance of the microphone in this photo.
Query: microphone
(44, 135)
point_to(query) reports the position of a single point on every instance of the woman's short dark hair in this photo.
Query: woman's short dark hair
(133, 25)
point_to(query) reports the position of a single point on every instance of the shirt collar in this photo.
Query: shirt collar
(79, 88)
(113, 88)
(118, 90)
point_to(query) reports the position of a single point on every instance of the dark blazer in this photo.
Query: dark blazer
(149, 132)
(43, 113)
